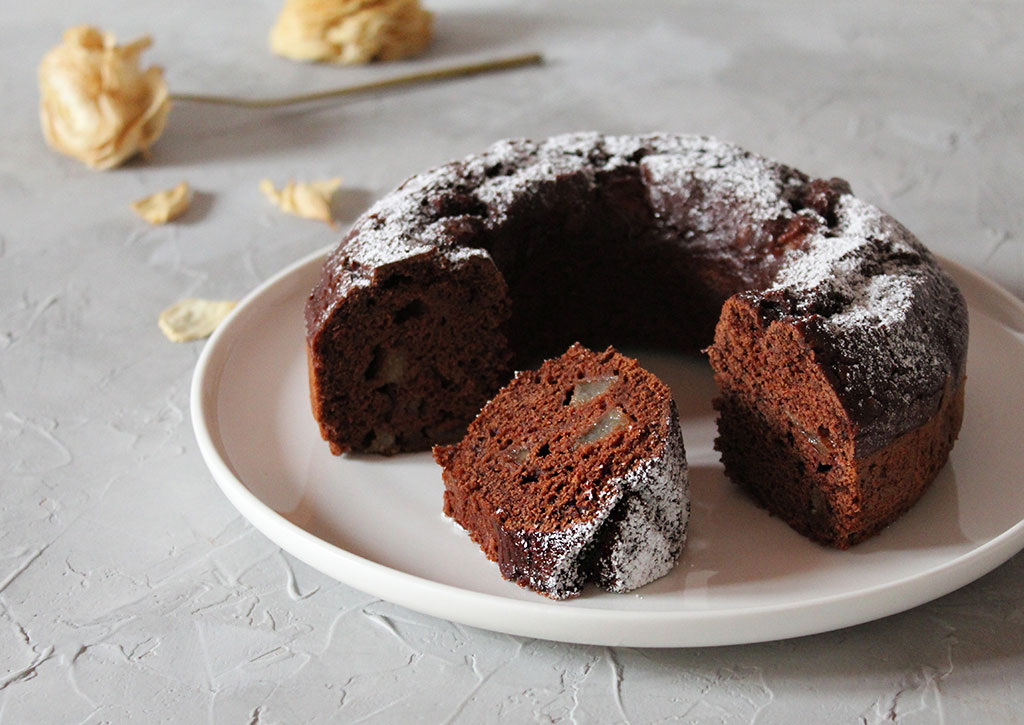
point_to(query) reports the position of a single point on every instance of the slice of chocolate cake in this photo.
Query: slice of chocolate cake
(574, 473)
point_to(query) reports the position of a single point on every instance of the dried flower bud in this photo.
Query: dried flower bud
(351, 31)
(310, 200)
(96, 103)
(163, 206)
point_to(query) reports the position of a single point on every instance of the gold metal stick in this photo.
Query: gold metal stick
(421, 77)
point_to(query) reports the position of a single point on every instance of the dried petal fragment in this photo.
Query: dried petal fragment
(310, 200)
(193, 318)
(351, 31)
(163, 206)
(96, 104)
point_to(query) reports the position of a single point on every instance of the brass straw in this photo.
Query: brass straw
(457, 71)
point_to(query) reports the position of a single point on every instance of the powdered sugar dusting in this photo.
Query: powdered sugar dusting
(652, 531)
(481, 188)
(407, 222)
(867, 263)
(825, 258)
(648, 510)
(752, 184)
(882, 300)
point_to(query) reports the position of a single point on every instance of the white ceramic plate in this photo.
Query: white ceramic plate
(376, 523)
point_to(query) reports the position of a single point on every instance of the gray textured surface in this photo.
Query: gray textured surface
(131, 591)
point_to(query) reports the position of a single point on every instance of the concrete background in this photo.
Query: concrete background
(131, 591)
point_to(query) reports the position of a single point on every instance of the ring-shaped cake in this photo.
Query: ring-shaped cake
(838, 342)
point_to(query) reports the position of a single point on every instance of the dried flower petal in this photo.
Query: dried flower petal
(96, 104)
(193, 318)
(310, 200)
(163, 206)
(351, 31)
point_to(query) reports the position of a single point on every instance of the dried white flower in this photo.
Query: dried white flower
(310, 200)
(193, 318)
(96, 103)
(163, 206)
(351, 31)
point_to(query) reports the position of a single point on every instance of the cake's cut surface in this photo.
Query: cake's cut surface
(573, 473)
(414, 357)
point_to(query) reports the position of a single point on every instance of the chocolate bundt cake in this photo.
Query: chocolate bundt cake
(504, 257)
(574, 473)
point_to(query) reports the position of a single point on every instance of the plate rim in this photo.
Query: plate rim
(575, 623)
